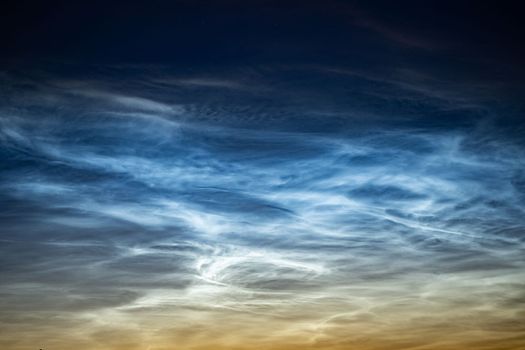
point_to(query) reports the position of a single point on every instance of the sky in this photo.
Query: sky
(256, 175)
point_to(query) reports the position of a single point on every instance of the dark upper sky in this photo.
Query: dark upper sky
(249, 32)
(465, 50)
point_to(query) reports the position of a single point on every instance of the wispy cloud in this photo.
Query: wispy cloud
(203, 83)
(302, 236)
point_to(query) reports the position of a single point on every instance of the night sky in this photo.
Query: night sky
(262, 175)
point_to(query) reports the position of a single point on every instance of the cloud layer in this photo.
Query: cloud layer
(205, 212)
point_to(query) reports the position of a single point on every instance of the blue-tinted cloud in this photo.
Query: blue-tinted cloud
(123, 206)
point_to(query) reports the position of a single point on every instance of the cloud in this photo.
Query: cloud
(136, 104)
(203, 83)
(306, 239)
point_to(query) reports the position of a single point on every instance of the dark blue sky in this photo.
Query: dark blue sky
(239, 32)
(462, 49)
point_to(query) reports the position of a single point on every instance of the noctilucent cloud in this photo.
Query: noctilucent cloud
(260, 175)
